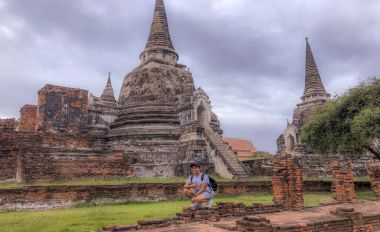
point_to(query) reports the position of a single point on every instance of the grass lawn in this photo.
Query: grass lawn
(129, 180)
(94, 218)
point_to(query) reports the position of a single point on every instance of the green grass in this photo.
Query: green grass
(129, 180)
(111, 181)
(10, 185)
(94, 218)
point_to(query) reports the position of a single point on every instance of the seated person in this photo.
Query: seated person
(197, 188)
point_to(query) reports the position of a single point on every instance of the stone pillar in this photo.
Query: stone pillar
(343, 188)
(287, 182)
(374, 174)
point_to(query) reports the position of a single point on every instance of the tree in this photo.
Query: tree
(348, 124)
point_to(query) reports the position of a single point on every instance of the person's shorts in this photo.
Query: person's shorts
(208, 195)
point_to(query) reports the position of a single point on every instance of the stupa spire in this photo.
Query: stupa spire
(159, 45)
(313, 83)
(108, 94)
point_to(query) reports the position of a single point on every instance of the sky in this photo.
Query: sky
(248, 55)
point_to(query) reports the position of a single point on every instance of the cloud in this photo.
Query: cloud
(248, 55)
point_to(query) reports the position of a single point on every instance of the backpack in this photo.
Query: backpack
(213, 184)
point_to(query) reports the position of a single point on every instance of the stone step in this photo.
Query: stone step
(226, 153)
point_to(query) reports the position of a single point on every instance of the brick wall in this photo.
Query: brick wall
(57, 156)
(52, 157)
(259, 167)
(28, 114)
(62, 109)
(65, 196)
(7, 124)
(8, 154)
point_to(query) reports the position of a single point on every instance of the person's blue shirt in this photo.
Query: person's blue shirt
(197, 180)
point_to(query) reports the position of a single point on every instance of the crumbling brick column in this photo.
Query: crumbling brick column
(287, 182)
(343, 188)
(374, 174)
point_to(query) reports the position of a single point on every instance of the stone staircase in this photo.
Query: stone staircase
(229, 157)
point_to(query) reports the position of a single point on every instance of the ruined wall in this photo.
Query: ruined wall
(7, 124)
(51, 157)
(43, 197)
(28, 114)
(259, 167)
(62, 109)
(314, 165)
(57, 156)
(8, 150)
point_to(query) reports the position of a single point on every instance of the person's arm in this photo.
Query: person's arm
(203, 188)
(188, 184)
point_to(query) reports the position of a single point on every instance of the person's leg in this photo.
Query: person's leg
(210, 196)
(189, 193)
(200, 199)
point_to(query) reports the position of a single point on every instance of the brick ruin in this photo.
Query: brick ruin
(374, 174)
(341, 219)
(28, 114)
(158, 126)
(190, 215)
(260, 218)
(343, 188)
(287, 182)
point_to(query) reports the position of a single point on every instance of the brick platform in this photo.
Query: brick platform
(374, 173)
(343, 188)
(287, 182)
(345, 217)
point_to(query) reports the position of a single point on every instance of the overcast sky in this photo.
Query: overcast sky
(248, 55)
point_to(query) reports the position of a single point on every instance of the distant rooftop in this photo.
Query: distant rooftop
(243, 148)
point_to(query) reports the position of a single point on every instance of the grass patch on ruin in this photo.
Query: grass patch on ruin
(94, 218)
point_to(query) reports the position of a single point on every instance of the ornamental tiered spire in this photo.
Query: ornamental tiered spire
(108, 94)
(313, 83)
(159, 45)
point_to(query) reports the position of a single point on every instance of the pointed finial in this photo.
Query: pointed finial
(313, 82)
(108, 94)
(109, 79)
(159, 41)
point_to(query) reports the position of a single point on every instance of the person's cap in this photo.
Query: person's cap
(195, 165)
